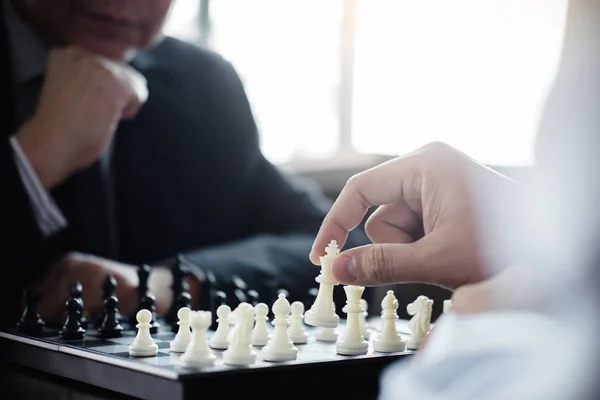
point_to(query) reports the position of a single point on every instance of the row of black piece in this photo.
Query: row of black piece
(109, 322)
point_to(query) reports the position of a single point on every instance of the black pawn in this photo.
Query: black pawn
(184, 300)
(109, 289)
(143, 272)
(111, 328)
(76, 292)
(31, 323)
(178, 287)
(253, 297)
(148, 303)
(72, 329)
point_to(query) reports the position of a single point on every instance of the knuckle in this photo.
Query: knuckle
(376, 263)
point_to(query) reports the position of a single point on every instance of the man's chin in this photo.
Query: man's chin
(107, 48)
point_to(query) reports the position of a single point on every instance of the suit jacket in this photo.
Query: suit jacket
(186, 176)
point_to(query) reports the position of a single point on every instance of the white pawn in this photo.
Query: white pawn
(240, 350)
(420, 323)
(260, 333)
(447, 306)
(184, 333)
(198, 353)
(143, 345)
(220, 340)
(296, 331)
(389, 340)
(280, 347)
(366, 332)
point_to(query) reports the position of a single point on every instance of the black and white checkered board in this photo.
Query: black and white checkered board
(106, 363)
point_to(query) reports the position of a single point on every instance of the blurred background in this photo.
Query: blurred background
(338, 86)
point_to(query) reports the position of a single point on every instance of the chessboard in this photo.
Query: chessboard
(318, 371)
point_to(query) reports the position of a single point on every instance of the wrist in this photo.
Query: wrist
(38, 146)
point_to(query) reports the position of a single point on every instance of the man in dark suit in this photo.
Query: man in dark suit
(121, 147)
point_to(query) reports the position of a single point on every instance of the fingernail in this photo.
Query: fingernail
(344, 269)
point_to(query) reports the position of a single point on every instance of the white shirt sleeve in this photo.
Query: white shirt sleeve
(47, 214)
(493, 356)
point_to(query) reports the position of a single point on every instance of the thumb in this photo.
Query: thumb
(378, 264)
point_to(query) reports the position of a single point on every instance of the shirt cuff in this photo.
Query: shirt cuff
(47, 214)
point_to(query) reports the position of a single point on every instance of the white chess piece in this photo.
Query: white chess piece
(389, 340)
(143, 345)
(352, 342)
(198, 353)
(296, 330)
(280, 346)
(447, 305)
(420, 323)
(364, 328)
(184, 333)
(260, 333)
(219, 339)
(326, 334)
(240, 351)
(322, 314)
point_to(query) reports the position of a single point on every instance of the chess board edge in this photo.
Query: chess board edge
(134, 378)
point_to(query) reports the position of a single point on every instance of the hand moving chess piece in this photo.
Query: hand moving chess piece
(198, 353)
(260, 333)
(184, 334)
(111, 327)
(31, 323)
(420, 323)
(389, 340)
(322, 312)
(72, 329)
(352, 342)
(298, 334)
(220, 339)
(148, 303)
(280, 346)
(143, 345)
(240, 350)
(76, 292)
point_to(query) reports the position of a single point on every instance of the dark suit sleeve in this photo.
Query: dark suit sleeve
(25, 251)
(283, 213)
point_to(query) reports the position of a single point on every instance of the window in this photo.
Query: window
(386, 76)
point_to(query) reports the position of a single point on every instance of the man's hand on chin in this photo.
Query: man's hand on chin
(91, 271)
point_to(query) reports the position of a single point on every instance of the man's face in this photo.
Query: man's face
(113, 28)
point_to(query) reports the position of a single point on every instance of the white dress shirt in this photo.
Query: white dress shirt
(29, 57)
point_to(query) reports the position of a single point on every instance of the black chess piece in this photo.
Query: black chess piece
(178, 287)
(76, 292)
(31, 323)
(184, 300)
(253, 297)
(109, 288)
(149, 303)
(111, 326)
(143, 272)
(72, 329)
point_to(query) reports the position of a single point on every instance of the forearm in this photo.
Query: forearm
(27, 246)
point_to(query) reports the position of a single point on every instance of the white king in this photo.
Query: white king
(322, 313)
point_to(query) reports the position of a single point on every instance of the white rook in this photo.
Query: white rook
(322, 313)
